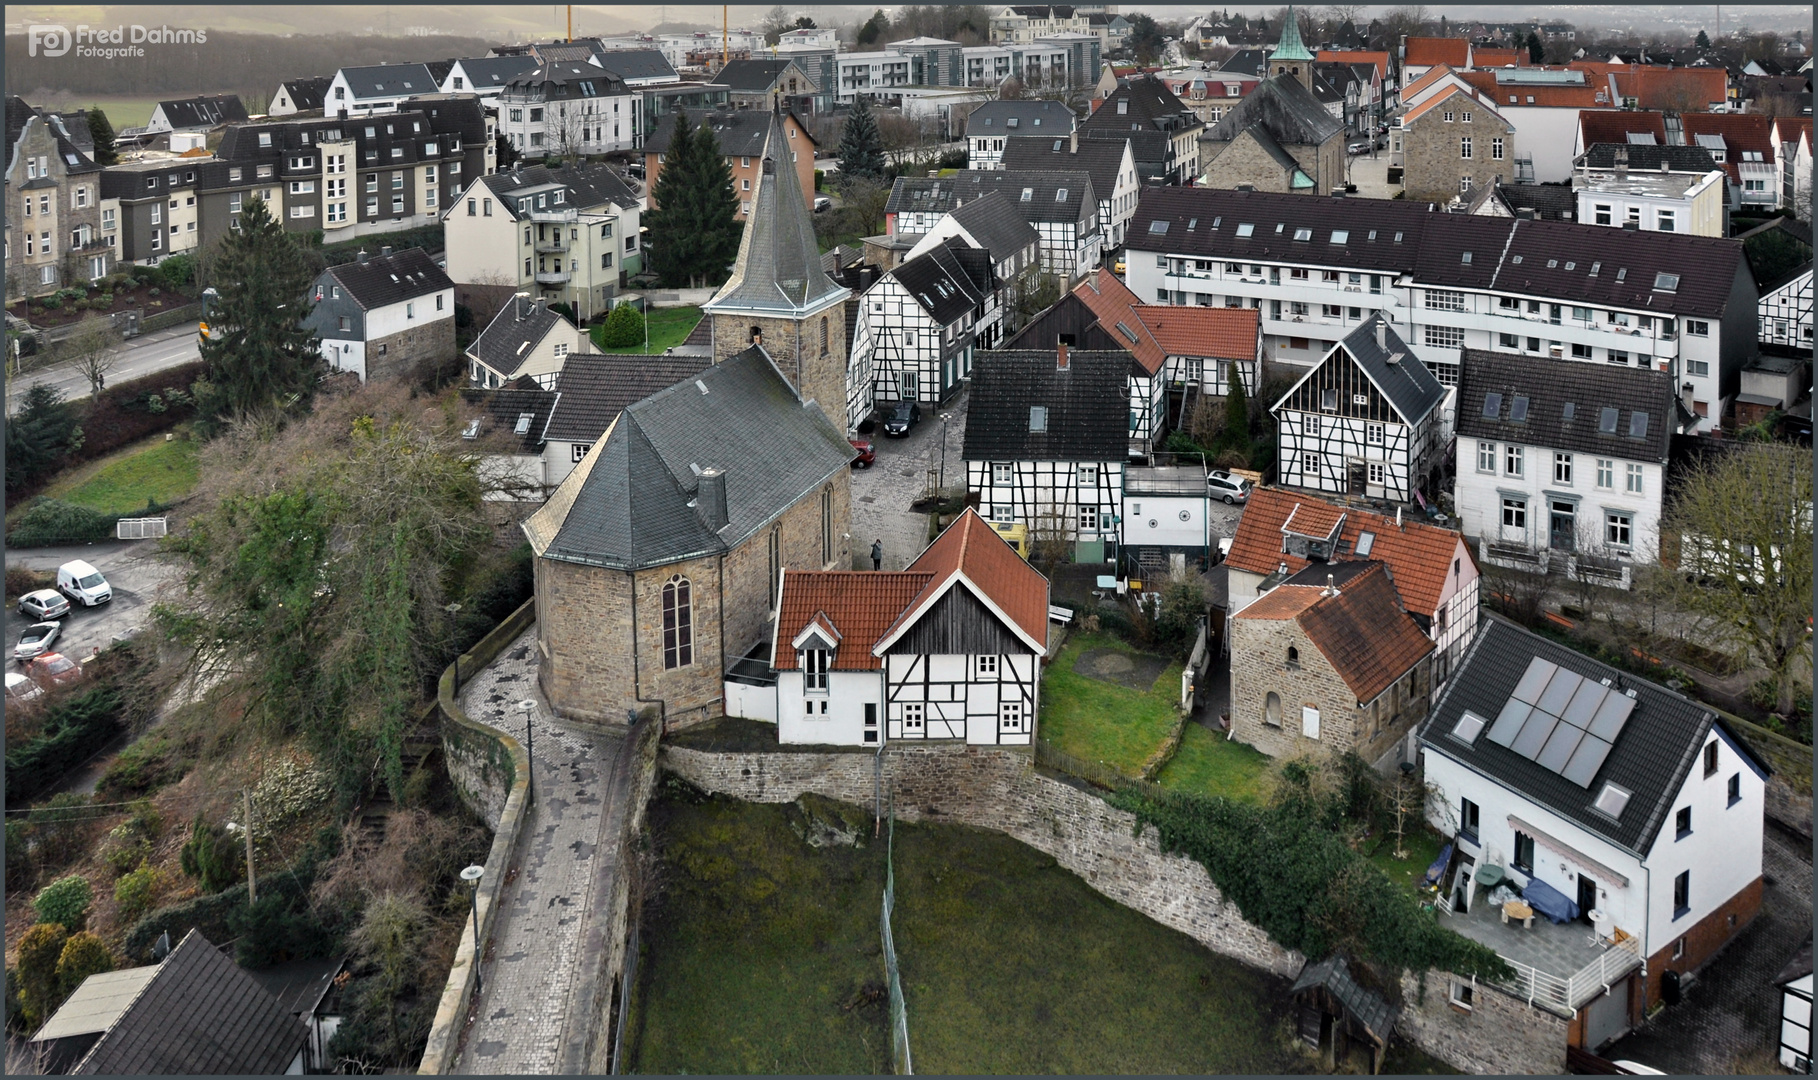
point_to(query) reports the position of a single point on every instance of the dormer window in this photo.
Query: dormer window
(814, 670)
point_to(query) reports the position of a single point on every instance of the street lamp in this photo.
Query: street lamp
(252, 885)
(472, 876)
(529, 707)
(940, 483)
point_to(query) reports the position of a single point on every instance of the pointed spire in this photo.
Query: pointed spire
(1289, 47)
(778, 272)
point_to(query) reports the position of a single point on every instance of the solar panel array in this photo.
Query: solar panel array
(1562, 720)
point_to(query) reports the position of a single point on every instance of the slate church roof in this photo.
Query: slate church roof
(596, 387)
(1286, 109)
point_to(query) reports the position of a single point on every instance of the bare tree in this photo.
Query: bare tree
(94, 350)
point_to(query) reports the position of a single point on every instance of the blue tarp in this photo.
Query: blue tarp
(1549, 901)
(1439, 866)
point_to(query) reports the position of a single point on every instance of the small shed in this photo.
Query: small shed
(1795, 983)
(1337, 1013)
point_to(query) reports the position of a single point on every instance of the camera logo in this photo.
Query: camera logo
(48, 41)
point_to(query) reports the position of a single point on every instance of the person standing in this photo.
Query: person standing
(877, 554)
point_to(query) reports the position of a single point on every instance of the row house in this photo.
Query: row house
(1651, 187)
(1107, 161)
(150, 208)
(567, 234)
(381, 317)
(1060, 206)
(991, 224)
(1743, 146)
(948, 649)
(917, 324)
(1283, 534)
(992, 124)
(1046, 445)
(1365, 421)
(54, 234)
(571, 109)
(742, 135)
(1566, 461)
(1792, 137)
(1318, 268)
(1627, 817)
(1028, 22)
(1545, 107)
(378, 88)
(1163, 133)
(196, 114)
(525, 339)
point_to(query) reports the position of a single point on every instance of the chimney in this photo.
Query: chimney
(385, 252)
(1398, 517)
(710, 499)
(1382, 334)
(1685, 397)
(1632, 226)
(1331, 588)
(1060, 356)
(542, 302)
(1622, 162)
(1338, 193)
(360, 256)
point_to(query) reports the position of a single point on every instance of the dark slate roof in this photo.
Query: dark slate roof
(1101, 159)
(946, 192)
(502, 344)
(299, 985)
(1651, 757)
(1804, 269)
(389, 80)
(595, 388)
(1798, 967)
(938, 281)
(1247, 62)
(1550, 202)
(389, 279)
(778, 269)
(74, 126)
(992, 220)
(1549, 384)
(199, 1015)
(1366, 1006)
(740, 132)
(563, 74)
(1148, 101)
(752, 76)
(205, 111)
(635, 506)
(1407, 383)
(506, 406)
(439, 69)
(489, 71)
(1648, 158)
(636, 64)
(993, 118)
(18, 114)
(1087, 402)
(1071, 315)
(308, 94)
(1287, 109)
(1433, 244)
(588, 185)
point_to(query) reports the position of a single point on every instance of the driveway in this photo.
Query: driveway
(133, 570)
(907, 469)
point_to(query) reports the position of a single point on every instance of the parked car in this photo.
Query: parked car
(83, 584)
(43, 604)
(53, 669)
(1230, 489)
(902, 416)
(21, 690)
(1361, 146)
(36, 639)
(867, 453)
(636, 169)
(1118, 267)
(822, 204)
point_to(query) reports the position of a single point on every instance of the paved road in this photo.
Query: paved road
(882, 494)
(141, 356)
(133, 570)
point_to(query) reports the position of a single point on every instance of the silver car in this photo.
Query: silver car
(36, 640)
(44, 604)
(1231, 490)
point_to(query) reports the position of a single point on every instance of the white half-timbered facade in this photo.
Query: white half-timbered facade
(990, 224)
(1365, 421)
(1060, 206)
(1046, 444)
(949, 649)
(917, 324)
(1785, 310)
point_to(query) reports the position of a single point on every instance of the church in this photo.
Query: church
(1279, 137)
(658, 559)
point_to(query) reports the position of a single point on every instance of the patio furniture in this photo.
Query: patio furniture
(1488, 877)
(1516, 909)
(1548, 901)
(1599, 925)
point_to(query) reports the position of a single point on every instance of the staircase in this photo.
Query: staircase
(373, 816)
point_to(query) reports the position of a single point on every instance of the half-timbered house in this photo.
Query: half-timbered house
(1045, 444)
(990, 223)
(1785, 308)
(1060, 206)
(917, 324)
(948, 649)
(1365, 421)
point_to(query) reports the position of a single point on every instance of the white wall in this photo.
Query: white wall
(412, 314)
(1165, 521)
(481, 249)
(1479, 494)
(958, 701)
(1723, 850)
(343, 355)
(843, 722)
(1544, 133)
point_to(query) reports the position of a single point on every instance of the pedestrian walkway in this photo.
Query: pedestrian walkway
(539, 975)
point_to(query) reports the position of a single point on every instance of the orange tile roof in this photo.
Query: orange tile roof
(1684, 90)
(1433, 102)
(1789, 128)
(1115, 305)
(1364, 633)
(1495, 58)
(1315, 519)
(1430, 50)
(1355, 56)
(1281, 603)
(1614, 126)
(970, 547)
(1433, 75)
(1740, 131)
(858, 607)
(1419, 556)
(1555, 97)
(1224, 333)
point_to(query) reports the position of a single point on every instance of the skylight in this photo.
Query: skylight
(1469, 726)
(1398, 238)
(1569, 265)
(1596, 266)
(1622, 273)
(1192, 223)
(1303, 233)
(1606, 420)
(1567, 411)
(523, 425)
(1638, 425)
(1516, 260)
(1552, 264)
(1158, 227)
(1665, 282)
(1612, 800)
(1339, 236)
(1038, 418)
(1028, 194)
(1518, 409)
(1127, 332)
(1465, 258)
(1060, 194)
(1492, 406)
(1365, 541)
(1246, 229)
(1372, 234)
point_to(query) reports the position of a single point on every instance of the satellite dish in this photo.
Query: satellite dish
(162, 948)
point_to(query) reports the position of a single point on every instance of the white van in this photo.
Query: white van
(83, 584)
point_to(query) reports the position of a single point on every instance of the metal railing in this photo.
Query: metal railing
(1566, 995)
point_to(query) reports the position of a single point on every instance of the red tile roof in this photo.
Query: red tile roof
(1201, 332)
(1741, 132)
(1422, 51)
(1419, 556)
(858, 606)
(1433, 75)
(1116, 308)
(1550, 97)
(1468, 95)
(1614, 126)
(1314, 519)
(1365, 635)
(1283, 602)
(1789, 129)
(1495, 58)
(970, 548)
(1681, 90)
(1355, 56)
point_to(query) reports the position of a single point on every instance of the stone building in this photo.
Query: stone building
(1277, 138)
(383, 316)
(1452, 145)
(53, 205)
(1329, 661)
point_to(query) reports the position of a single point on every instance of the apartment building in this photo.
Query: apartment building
(569, 108)
(379, 88)
(1651, 200)
(53, 206)
(996, 121)
(1318, 268)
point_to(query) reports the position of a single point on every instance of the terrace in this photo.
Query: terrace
(1558, 967)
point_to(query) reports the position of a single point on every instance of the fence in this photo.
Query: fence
(899, 1018)
(141, 528)
(1096, 773)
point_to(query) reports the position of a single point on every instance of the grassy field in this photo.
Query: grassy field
(1422, 846)
(123, 112)
(1209, 764)
(1101, 721)
(122, 481)
(669, 327)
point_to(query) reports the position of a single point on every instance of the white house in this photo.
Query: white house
(990, 223)
(1560, 460)
(485, 76)
(1060, 206)
(949, 649)
(1366, 420)
(380, 316)
(1319, 267)
(1650, 201)
(524, 338)
(1166, 527)
(1628, 813)
(1107, 161)
(1792, 136)
(1785, 308)
(916, 324)
(995, 121)
(570, 107)
(1046, 444)
(377, 89)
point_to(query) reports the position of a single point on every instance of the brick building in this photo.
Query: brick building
(1452, 144)
(1277, 138)
(744, 139)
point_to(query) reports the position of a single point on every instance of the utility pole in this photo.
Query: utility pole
(252, 884)
(725, 37)
(571, 22)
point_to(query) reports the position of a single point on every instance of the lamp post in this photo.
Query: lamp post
(941, 482)
(472, 876)
(529, 707)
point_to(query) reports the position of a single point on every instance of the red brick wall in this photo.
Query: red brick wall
(1703, 939)
(804, 168)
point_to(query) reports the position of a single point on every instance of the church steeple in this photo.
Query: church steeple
(1290, 57)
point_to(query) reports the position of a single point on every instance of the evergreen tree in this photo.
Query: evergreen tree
(1237, 408)
(505, 153)
(721, 229)
(875, 27)
(103, 133)
(40, 433)
(259, 353)
(1536, 51)
(674, 248)
(83, 955)
(695, 229)
(1703, 41)
(861, 149)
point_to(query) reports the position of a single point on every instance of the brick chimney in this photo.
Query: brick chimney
(1060, 356)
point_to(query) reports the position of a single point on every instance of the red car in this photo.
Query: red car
(53, 669)
(867, 453)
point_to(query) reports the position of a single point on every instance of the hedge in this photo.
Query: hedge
(73, 729)
(209, 914)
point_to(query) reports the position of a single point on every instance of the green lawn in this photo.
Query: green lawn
(122, 112)
(669, 327)
(1209, 764)
(1100, 721)
(756, 946)
(124, 480)
(1422, 846)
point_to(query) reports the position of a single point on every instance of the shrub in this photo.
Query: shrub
(60, 830)
(52, 303)
(39, 951)
(154, 291)
(135, 891)
(207, 914)
(624, 328)
(64, 902)
(18, 854)
(143, 274)
(48, 522)
(143, 767)
(210, 856)
(566, 311)
(73, 729)
(83, 955)
(177, 272)
(23, 579)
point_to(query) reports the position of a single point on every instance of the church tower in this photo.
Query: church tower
(1289, 56)
(778, 296)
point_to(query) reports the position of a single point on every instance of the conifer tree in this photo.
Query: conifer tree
(102, 132)
(695, 229)
(674, 245)
(861, 145)
(718, 214)
(259, 353)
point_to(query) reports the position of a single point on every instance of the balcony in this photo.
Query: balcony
(552, 277)
(1557, 967)
(556, 245)
(1512, 556)
(558, 215)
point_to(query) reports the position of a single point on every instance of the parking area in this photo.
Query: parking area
(907, 469)
(133, 571)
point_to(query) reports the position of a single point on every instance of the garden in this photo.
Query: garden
(150, 289)
(624, 329)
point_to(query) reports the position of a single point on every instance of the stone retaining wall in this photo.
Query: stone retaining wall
(637, 776)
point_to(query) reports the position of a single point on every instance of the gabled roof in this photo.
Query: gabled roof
(1119, 315)
(391, 279)
(1204, 332)
(1087, 406)
(1495, 58)
(199, 1014)
(1418, 555)
(1359, 627)
(1424, 51)
(739, 132)
(1148, 102)
(596, 387)
(308, 94)
(1356, 56)
(753, 75)
(588, 185)
(992, 221)
(1407, 384)
(1651, 756)
(939, 282)
(1247, 62)
(1366, 1006)
(637, 64)
(1548, 385)
(859, 606)
(1471, 100)
(206, 111)
(1673, 89)
(486, 72)
(971, 554)
(1616, 125)
(1101, 159)
(389, 80)
(1741, 133)
(1513, 93)
(634, 506)
(521, 412)
(586, 79)
(512, 334)
(1286, 109)
(1054, 196)
(1031, 118)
